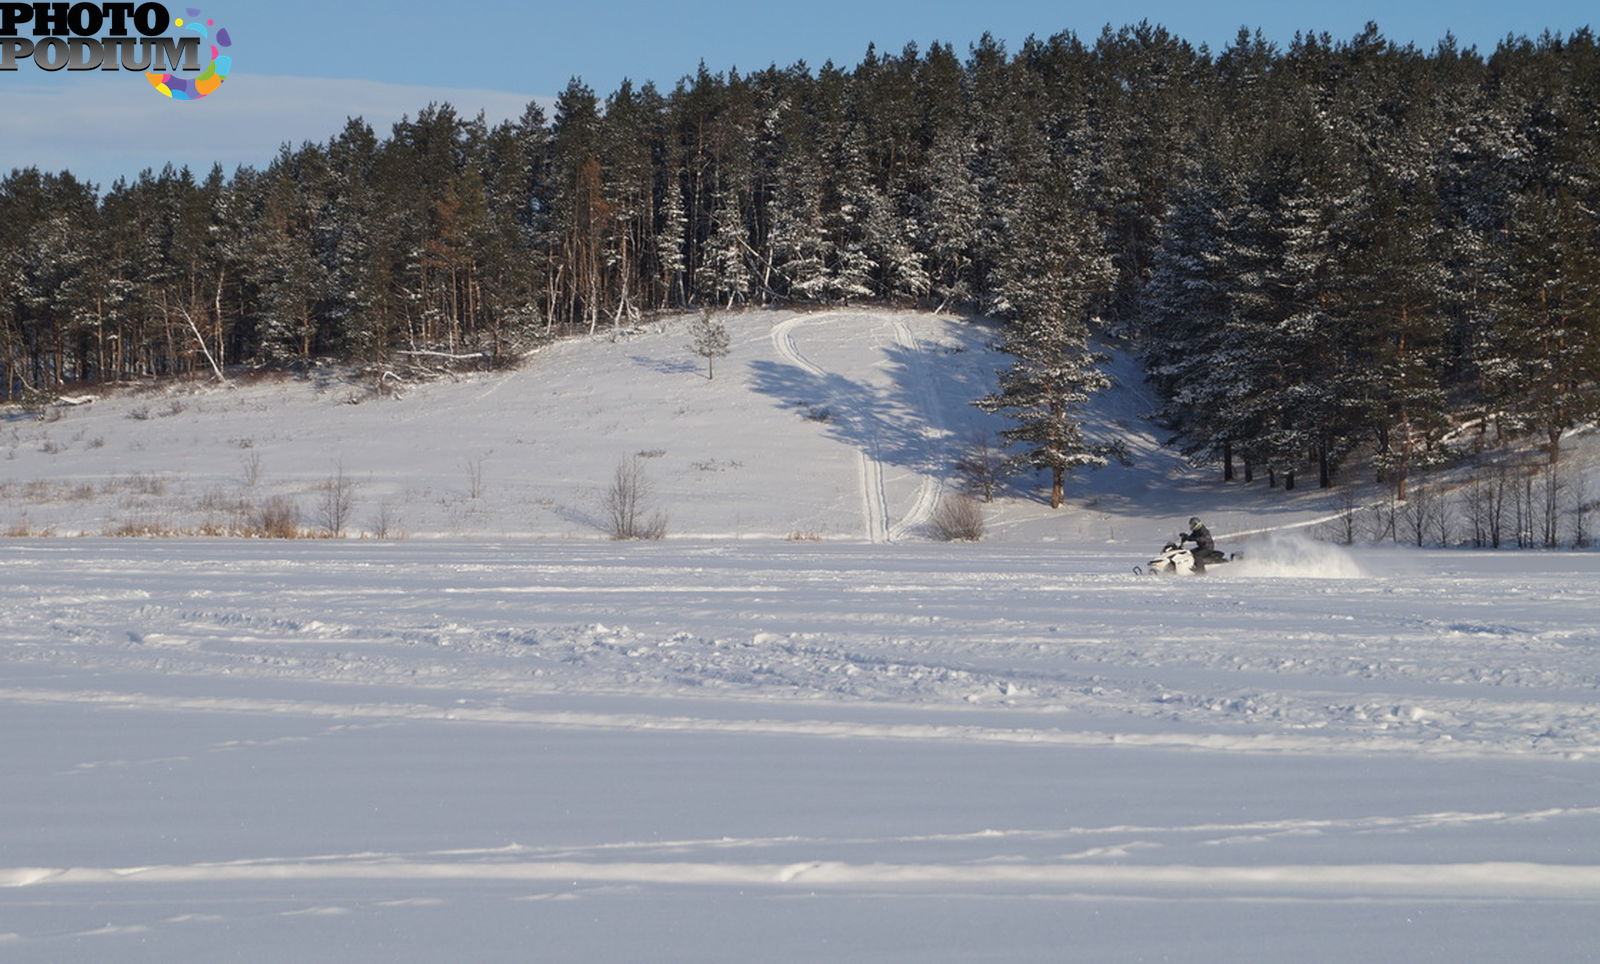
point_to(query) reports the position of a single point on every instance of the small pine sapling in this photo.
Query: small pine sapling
(711, 340)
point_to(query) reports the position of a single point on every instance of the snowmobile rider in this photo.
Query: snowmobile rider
(1205, 547)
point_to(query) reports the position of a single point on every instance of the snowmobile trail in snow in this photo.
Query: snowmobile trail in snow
(868, 422)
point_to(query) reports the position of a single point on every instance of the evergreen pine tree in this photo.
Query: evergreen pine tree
(1054, 273)
(710, 340)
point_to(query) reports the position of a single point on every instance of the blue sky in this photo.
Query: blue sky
(303, 66)
(536, 47)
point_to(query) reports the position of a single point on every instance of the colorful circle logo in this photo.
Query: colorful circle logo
(179, 88)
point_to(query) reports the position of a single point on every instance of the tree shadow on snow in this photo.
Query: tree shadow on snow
(921, 419)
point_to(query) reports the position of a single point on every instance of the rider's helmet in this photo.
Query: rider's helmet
(1194, 523)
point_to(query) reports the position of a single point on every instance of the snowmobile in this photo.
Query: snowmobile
(1177, 560)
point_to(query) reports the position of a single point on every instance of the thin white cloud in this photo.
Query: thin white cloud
(104, 126)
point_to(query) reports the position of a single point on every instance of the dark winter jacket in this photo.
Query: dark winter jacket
(1201, 537)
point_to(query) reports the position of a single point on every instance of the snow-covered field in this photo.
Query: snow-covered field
(506, 738)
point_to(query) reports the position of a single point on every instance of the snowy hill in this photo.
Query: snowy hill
(834, 425)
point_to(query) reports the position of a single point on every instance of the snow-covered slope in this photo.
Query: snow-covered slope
(837, 425)
(514, 740)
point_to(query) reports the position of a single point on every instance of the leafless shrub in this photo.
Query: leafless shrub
(803, 535)
(1485, 505)
(982, 466)
(142, 483)
(1583, 507)
(1342, 528)
(139, 413)
(24, 530)
(1444, 520)
(474, 467)
(1525, 511)
(958, 518)
(384, 525)
(335, 501)
(276, 518)
(1383, 520)
(218, 501)
(625, 504)
(142, 527)
(156, 526)
(250, 469)
(1418, 512)
(1554, 492)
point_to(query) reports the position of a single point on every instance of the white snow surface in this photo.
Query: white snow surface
(835, 425)
(508, 738)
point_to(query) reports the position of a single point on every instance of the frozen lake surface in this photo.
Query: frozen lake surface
(703, 750)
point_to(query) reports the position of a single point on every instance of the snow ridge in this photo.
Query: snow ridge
(1567, 882)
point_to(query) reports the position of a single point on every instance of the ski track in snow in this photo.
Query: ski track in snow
(931, 487)
(880, 523)
(869, 473)
(869, 470)
(783, 342)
